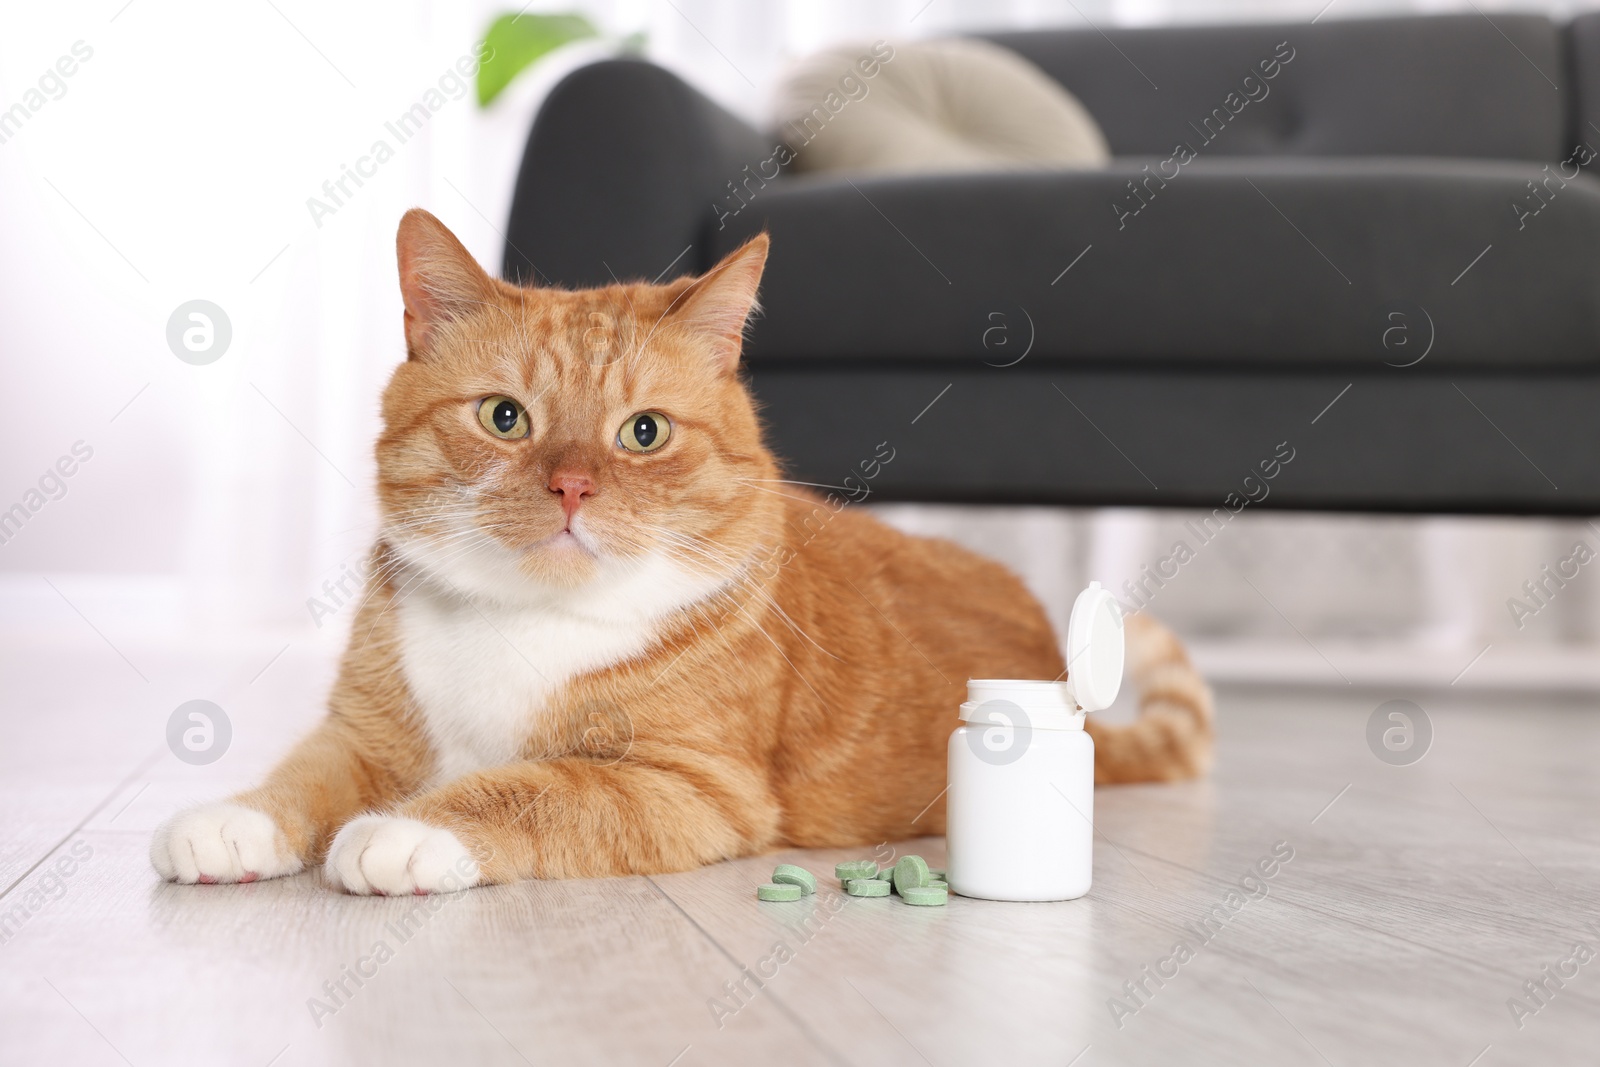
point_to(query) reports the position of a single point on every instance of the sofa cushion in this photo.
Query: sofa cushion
(1457, 85)
(1254, 261)
(950, 105)
(1364, 439)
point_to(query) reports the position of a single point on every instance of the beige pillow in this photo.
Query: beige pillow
(953, 105)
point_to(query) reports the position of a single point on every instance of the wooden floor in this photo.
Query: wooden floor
(1419, 900)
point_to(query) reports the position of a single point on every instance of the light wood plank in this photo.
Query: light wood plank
(599, 971)
(1416, 904)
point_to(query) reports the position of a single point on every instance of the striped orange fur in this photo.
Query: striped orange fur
(772, 667)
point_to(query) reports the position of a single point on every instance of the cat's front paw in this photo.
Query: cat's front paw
(221, 843)
(391, 856)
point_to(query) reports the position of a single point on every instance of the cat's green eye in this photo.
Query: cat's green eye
(644, 432)
(503, 417)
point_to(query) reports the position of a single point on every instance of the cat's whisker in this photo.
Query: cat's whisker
(786, 496)
(785, 656)
(777, 609)
(424, 571)
(399, 596)
(451, 541)
(392, 598)
(790, 481)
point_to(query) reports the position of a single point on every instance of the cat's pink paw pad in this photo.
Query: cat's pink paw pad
(383, 855)
(221, 843)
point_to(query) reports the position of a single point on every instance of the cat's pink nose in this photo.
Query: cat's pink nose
(573, 487)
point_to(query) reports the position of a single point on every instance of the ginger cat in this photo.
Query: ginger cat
(603, 637)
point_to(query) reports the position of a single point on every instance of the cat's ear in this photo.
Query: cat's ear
(716, 308)
(439, 279)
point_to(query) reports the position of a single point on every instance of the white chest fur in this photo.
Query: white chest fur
(483, 671)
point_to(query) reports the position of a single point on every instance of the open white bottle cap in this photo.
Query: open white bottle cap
(1095, 649)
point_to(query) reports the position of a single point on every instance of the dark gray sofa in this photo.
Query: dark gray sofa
(1359, 210)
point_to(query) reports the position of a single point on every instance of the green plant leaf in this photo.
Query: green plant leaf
(515, 42)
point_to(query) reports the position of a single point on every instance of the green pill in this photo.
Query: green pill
(937, 874)
(789, 874)
(910, 873)
(867, 887)
(937, 883)
(854, 869)
(774, 891)
(925, 896)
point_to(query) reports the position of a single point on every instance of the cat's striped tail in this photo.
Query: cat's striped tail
(1172, 737)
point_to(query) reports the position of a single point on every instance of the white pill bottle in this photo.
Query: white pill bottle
(1020, 808)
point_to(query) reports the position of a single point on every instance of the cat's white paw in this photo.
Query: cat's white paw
(222, 842)
(392, 856)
